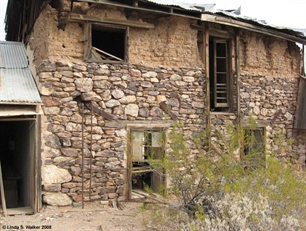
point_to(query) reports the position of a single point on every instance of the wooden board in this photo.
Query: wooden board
(3, 203)
(21, 210)
(300, 115)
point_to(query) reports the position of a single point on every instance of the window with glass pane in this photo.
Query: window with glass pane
(146, 145)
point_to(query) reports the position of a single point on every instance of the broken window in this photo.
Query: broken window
(254, 147)
(146, 145)
(219, 74)
(147, 150)
(106, 43)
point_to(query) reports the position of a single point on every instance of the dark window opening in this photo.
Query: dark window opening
(57, 4)
(107, 44)
(219, 74)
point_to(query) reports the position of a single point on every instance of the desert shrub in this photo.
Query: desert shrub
(223, 192)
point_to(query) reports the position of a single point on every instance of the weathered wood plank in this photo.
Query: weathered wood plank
(80, 17)
(300, 115)
(3, 203)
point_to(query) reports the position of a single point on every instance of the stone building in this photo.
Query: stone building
(114, 76)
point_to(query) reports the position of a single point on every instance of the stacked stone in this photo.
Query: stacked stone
(129, 93)
(271, 99)
(272, 103)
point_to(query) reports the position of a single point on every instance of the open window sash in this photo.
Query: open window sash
(221, 73)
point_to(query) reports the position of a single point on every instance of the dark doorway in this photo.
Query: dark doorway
(17, 155)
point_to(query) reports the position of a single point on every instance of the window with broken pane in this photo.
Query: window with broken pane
(219, 74)
(147, 150)
(146, 145)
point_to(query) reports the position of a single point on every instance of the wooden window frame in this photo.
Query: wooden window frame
(94, 54)
(144, 166)
(220, 90)
(253, 145)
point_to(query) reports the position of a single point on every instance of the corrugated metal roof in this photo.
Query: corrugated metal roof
(12, 55)
(183, 5)
(254, 21)
(232, 13)
(17, 85)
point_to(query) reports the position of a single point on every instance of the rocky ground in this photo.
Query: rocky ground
(94, 216)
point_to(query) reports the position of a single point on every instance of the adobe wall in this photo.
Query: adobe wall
(171, 43)
(268, 56)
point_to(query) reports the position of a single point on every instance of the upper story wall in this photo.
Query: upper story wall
(171, 43)
(268, 56)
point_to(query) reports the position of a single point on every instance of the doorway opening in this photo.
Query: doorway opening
(18, 163)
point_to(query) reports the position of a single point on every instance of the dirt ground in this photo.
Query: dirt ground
(94, 216)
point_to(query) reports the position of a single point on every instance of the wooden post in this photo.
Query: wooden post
(2, 193)
(82, 156)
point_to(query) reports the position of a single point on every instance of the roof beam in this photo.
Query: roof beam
(80, 17)
(169, 10)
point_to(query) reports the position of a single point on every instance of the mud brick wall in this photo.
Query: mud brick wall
(171, 43)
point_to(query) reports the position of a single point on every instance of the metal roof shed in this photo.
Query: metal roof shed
(18, 91)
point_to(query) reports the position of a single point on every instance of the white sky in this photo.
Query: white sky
(289, 13)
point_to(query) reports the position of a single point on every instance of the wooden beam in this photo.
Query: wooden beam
(167, 109)
(80, 17)
(99, 111)
(237, 67)
(206, 63)
(166, 10)
(108, 54)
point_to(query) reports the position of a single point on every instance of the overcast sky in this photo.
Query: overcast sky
(289, 13)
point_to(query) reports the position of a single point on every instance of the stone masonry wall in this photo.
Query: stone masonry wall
(164, 67)
(268, 91)
(273, 100)
(131, 93)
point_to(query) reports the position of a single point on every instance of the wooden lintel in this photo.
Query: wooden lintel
(80, 17)
(156, 124)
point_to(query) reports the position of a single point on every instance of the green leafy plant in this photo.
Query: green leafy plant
(233, 187)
